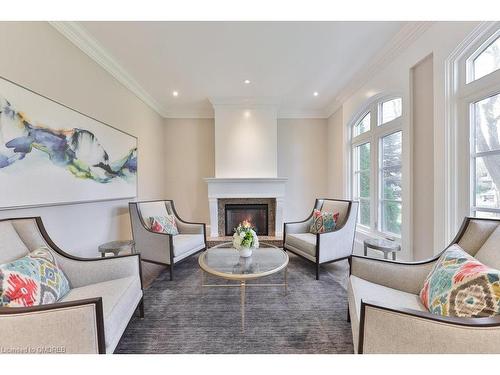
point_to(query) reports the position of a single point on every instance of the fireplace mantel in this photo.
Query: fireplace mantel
(219, 188)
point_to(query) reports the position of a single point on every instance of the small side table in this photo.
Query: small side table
(386, 246)
(115, 247)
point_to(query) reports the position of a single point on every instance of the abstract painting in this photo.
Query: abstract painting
(52, 154)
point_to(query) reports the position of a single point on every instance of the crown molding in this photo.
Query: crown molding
(410, 32)
(85, 42)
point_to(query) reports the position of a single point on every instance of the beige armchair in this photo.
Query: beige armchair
(386, 313)
(161, 248)
(91, 318)
(323, 247)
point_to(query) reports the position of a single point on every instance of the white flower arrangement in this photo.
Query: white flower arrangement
(245, 236)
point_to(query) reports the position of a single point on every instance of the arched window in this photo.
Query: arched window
(477, 118)
(376, 142)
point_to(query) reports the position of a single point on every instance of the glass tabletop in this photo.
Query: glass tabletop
(224, 261)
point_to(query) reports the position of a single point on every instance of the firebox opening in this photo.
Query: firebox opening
(256, 214)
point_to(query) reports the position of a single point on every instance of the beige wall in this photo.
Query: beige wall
(302, 157)
(37, 56)
(190, 157)
(245, 142)
(422, 160)
(336, 139)
(440, 40)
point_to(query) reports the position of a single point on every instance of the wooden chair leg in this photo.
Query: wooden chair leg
(141, 308)
(171, 272)
(317, 271)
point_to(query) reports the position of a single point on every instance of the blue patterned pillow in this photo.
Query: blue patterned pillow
(164, 224)
(33, 280)
(323, 222)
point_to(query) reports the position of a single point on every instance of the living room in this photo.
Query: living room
(263, 185)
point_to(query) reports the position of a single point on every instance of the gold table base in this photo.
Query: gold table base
(243, 285)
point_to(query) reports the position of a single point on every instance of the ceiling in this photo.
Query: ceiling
(285, 61)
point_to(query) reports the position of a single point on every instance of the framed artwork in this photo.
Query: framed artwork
(51, 154)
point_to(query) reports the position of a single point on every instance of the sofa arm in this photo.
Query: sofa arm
(407, 277)
(185, 227)
(68, 327)
(81, 271)
(298, 226)
(387, 330)
(335, 245)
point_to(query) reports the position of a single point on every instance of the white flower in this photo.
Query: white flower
(237, 241)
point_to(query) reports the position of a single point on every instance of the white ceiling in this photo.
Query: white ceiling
(286, 61)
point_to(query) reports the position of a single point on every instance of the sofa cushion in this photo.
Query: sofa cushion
(323, 221)
(184, 243)
(302, 241)
(11, 245)
(120, 298)
(32, 280)
(164, 224)
(489, 253)
(460, 285)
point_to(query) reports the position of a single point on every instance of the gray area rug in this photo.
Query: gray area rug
(183, 318)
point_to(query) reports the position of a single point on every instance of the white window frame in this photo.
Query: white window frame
(461, 95)
(374, 137)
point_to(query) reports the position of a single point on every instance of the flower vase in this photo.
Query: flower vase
(245, 252)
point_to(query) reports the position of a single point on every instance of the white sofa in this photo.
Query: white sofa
(162, 248)
(385, 309)
(91, 318)
(327, 247)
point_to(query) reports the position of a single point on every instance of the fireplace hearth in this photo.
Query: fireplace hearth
(256, 215)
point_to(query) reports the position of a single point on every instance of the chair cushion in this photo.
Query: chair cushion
(362, 290)
(32, 280)
(164, 224)
(302, 241)
(460, 285)
(371, 292)
(323, 221)
(489, 253)
(119, 301)
(11, 245)
(184, 243)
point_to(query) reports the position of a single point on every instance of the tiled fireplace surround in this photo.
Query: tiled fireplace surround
(222, 191)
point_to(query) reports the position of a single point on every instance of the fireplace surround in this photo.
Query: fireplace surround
(270, 191)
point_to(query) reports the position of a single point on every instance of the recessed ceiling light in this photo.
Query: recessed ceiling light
(175, 93)
(246, 81)
(315, 93)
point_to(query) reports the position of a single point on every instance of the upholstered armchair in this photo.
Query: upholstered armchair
(162, 248)
(385, 309)
(328, 247)
(91, 318)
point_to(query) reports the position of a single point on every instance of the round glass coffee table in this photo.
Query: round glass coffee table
(225, 262)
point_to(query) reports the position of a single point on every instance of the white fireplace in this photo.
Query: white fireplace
(246, 154)
(247, 188)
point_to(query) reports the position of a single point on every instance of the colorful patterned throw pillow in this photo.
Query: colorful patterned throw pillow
(164, 224)
(33, 280)
(460, 285)
(323, 221)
